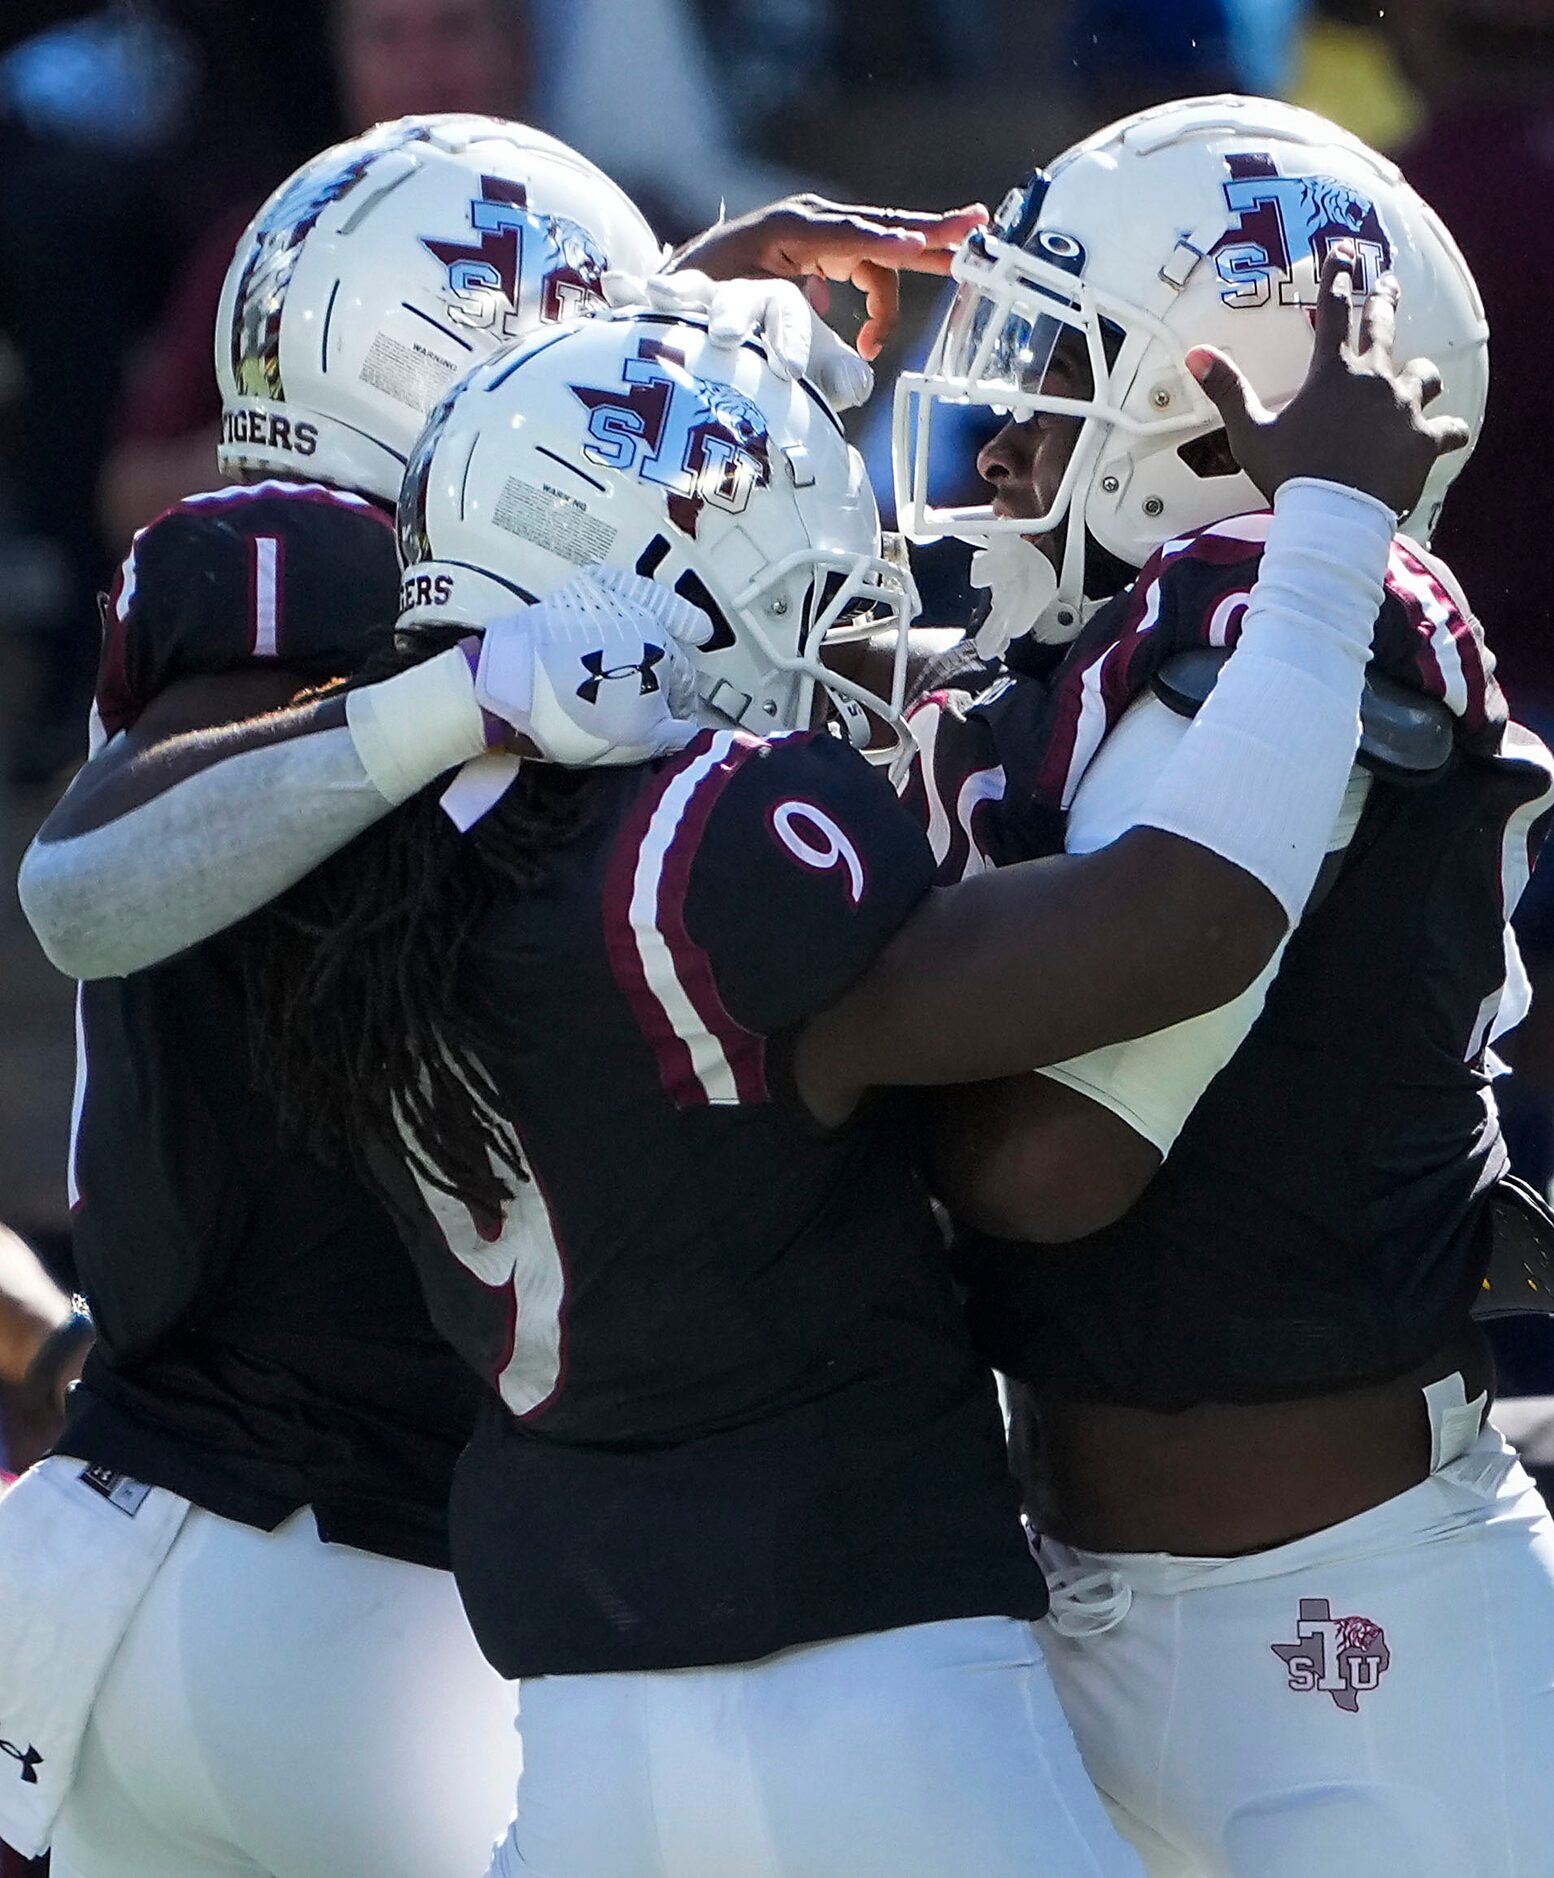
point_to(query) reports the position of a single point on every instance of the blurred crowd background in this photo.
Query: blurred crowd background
(136, 139)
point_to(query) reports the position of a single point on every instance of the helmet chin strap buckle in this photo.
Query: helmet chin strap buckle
(729, 703)
(1182, 262)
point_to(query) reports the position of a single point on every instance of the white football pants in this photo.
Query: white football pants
(282, 1708)
(1374, 1701)
(934, 1751)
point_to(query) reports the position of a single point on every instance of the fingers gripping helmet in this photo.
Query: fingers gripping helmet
(1200, 222)
(384, 268)
(630, 440)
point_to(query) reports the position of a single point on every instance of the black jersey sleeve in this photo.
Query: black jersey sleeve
(968, 747)
(1193, 594)
(290, 573)
(751, 885)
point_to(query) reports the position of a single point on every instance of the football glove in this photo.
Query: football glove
(598, 671)
(799, 344)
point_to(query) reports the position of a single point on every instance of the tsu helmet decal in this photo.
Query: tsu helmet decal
(704, 441)
(1281, 220)
(384, 269)
(516, 249)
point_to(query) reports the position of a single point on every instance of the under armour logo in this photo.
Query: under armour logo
(593, 664)
(30, 1759)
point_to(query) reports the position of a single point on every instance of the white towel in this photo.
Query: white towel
(79, 1546)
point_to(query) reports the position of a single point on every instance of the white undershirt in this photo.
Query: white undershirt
(1154, 1082)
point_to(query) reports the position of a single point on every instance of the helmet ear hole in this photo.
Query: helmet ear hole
(652, 558)
(690, 586)
(1210, 455)
(821, 593)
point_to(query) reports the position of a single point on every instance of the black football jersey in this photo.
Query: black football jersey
(263, 1343)
(1321, 1219)
(291, 574)
(963, 787)
(741, 1410)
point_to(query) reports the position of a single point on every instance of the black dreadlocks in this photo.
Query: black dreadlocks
(366, 1023)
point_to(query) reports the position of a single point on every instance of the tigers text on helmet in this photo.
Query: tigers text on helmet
(632, 441)
(1204, 222)
(385, 268)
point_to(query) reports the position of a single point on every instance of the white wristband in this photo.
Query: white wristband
(1260, 776)
(412, 727)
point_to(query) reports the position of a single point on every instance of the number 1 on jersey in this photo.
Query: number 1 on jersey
(266, 564)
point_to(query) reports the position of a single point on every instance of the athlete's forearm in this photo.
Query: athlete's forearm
(1179, 915)
(1154, 1082)
(1039, 962)
(181, 840)
(32, 1306)
(1259, 778)
(196, 858)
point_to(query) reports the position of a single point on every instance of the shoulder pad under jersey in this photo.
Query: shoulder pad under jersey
(748, 885)
(1402, 733)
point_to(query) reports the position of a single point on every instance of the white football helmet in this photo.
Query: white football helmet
(632, 441)
(1200, 222)
(384, 268)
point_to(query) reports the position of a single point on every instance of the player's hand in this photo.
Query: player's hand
(1358, 419)
(798, 342)
(598, 672)
(808, 236)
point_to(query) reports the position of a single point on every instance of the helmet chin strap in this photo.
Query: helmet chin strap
(1023, 585)
(717, 709)
(854, 719)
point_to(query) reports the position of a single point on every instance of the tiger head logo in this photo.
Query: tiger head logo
(518, 265)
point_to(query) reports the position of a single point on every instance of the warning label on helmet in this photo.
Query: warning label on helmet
(551, 519)
(413, 375)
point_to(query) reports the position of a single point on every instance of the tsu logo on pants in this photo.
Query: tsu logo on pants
(1345, 1657)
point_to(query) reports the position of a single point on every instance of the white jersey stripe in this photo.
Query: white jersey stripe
(1419, 587)
(77, 1108)
(271, 486)
(924, 724)
(1516, 863)
(1094, 719)
(1507, 1006)
(982, 785)
(710, 1063)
